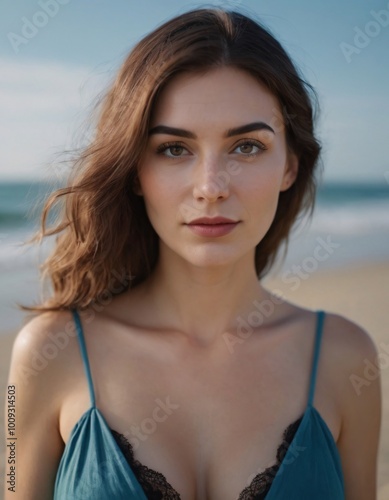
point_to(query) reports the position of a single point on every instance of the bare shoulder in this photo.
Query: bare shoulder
(44, 328)
(353, 357)
(40, 353)
(347, 331)
(355, 362)
(42, 346)
(350, 343)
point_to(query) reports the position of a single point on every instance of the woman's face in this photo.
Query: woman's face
(207, 169)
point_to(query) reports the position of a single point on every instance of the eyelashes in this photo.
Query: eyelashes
(169, 145)
(179, 145)
(250, 142)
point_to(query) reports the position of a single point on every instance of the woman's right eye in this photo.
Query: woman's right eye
(174, 147)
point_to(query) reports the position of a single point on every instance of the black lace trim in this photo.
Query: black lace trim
(153, 483)
(261, 484)
(156, 487)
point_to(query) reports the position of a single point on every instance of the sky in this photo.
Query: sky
(57, 56)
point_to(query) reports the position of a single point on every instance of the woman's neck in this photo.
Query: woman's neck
(205, 303)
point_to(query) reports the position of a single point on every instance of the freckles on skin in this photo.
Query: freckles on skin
(262, 201)
(174, 189)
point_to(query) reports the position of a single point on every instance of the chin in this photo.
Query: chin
(212, 259)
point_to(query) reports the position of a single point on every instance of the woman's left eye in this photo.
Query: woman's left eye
(250, 144)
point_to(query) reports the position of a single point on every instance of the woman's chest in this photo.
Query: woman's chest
(209, 426)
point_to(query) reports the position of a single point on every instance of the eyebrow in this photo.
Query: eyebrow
(243, 129)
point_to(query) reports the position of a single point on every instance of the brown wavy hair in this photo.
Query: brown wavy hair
(105, 242)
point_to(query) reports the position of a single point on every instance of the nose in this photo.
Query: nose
(211, 181)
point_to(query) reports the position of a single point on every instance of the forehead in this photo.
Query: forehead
(219, 95)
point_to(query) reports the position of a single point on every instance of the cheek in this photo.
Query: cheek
(159, 194)
(265, 177)
(260, 192)
(262, 198)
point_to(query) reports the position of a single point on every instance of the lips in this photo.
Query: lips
(212, 227)
(212, 221)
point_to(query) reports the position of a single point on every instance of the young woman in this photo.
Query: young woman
(161, 367)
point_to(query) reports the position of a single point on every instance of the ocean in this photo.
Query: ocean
(350, 225)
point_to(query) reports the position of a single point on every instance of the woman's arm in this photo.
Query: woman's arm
(360, 384)
(38, 444)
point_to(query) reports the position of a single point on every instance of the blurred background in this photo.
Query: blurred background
(58, 56)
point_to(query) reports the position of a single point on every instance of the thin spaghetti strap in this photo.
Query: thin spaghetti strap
(84, 355)
(318, 336)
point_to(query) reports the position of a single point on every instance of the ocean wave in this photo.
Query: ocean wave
(15, 254)
(346, 210)
(352, 219)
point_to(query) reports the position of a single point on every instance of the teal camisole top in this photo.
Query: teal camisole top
(98, 463)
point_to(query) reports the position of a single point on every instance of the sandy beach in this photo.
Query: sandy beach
(359, 293)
